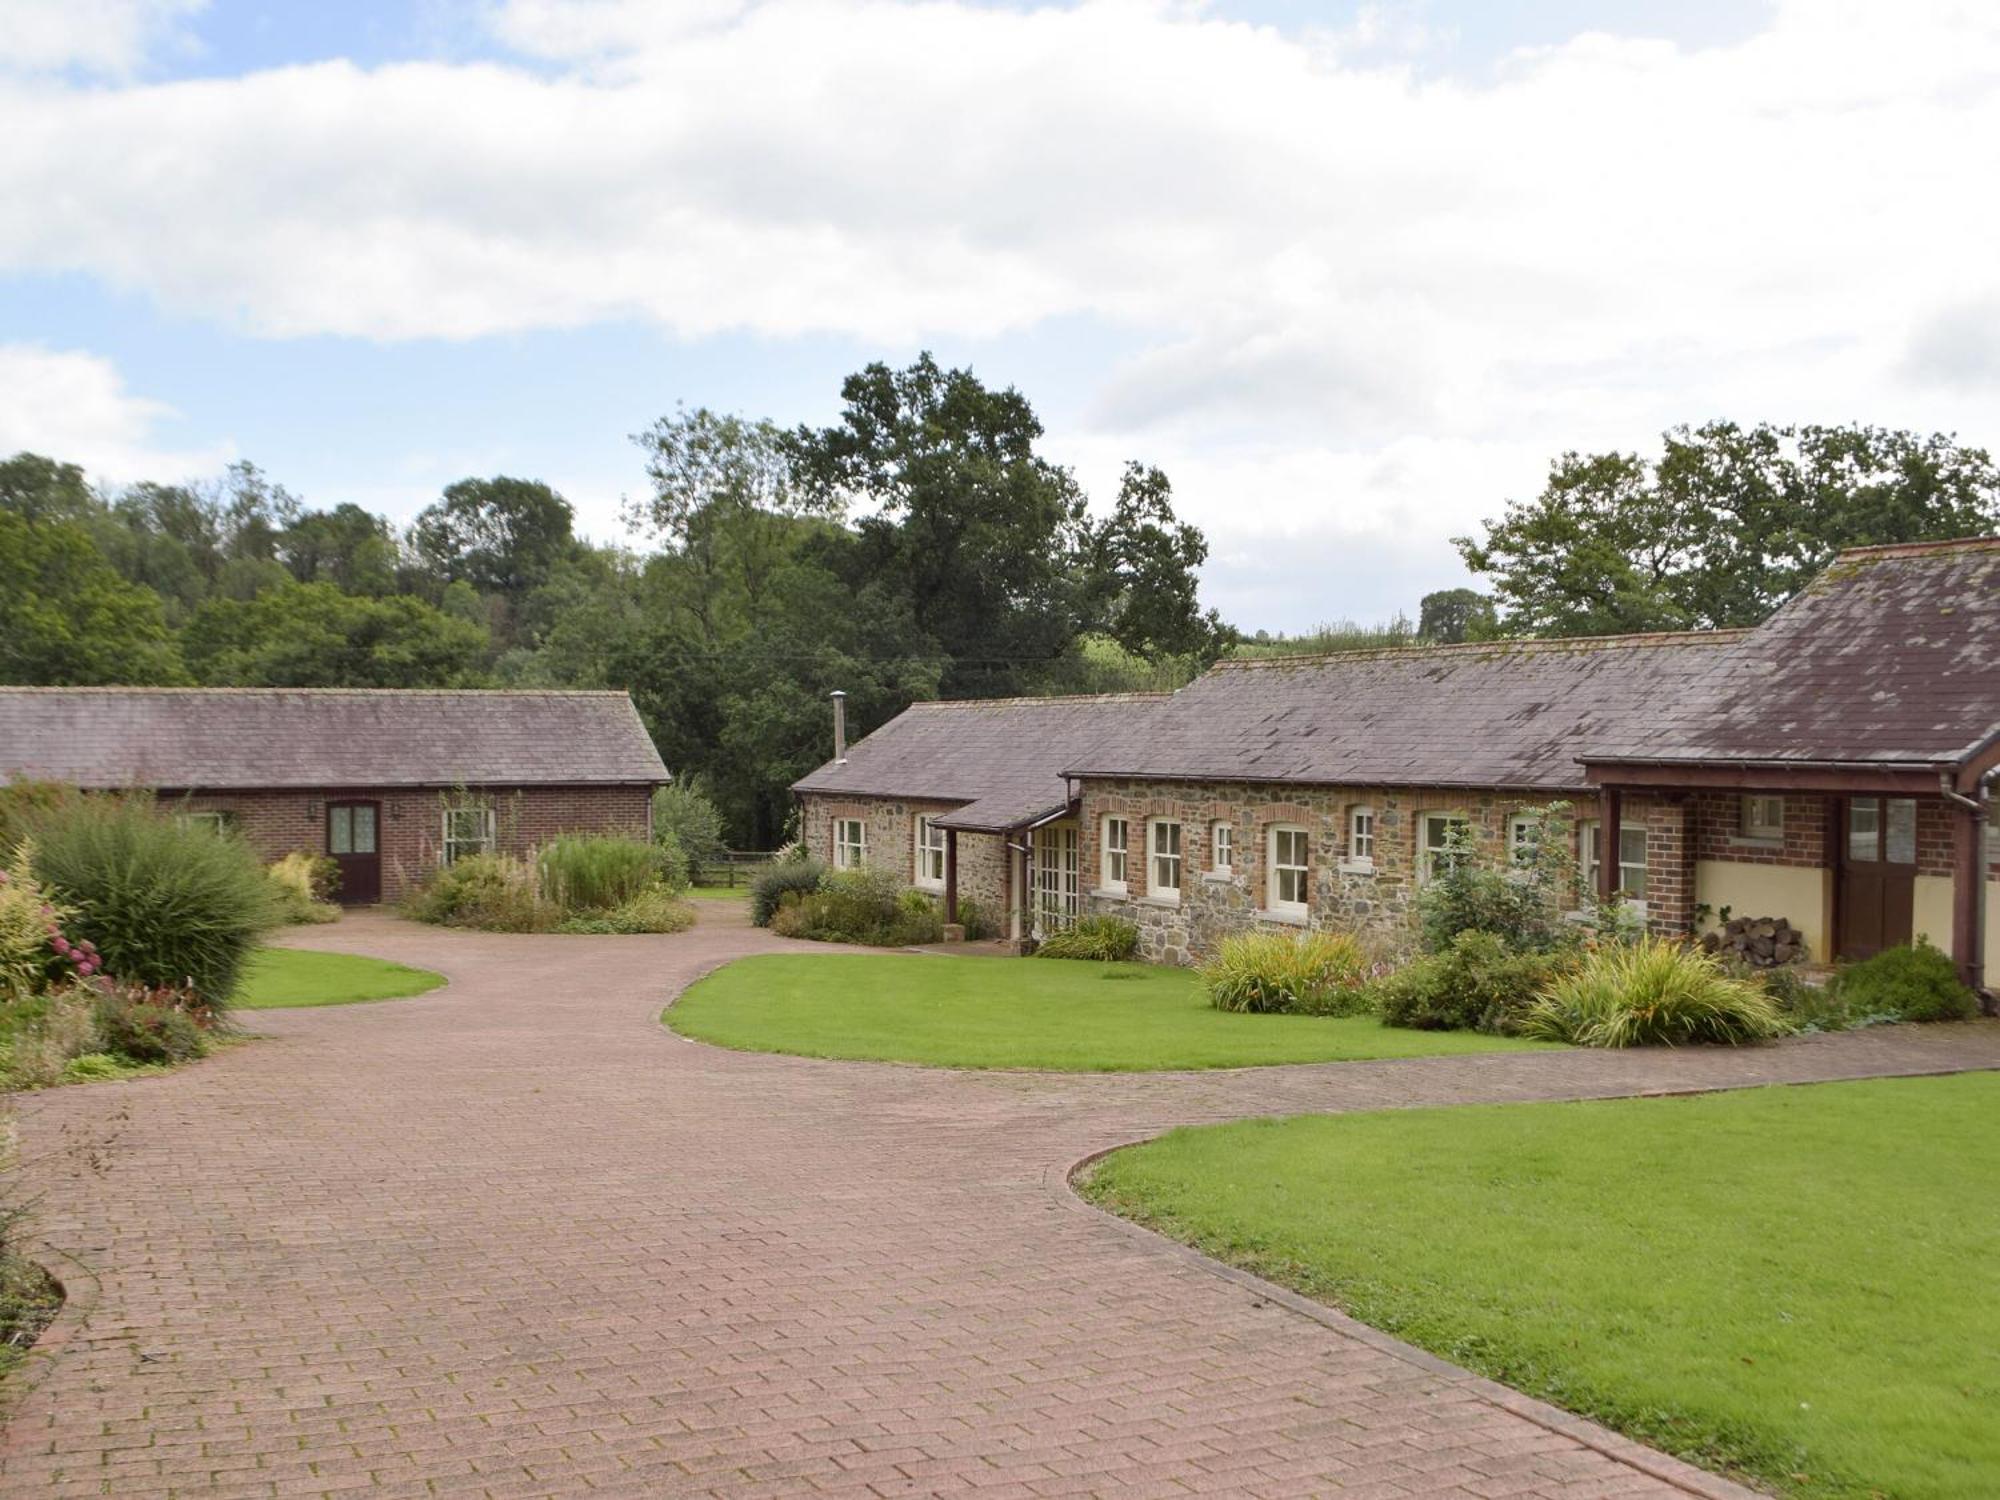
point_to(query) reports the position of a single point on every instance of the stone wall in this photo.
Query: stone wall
(410, 824)
(1376, 896)
(892, 846)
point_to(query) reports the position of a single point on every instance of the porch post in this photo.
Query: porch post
(1968, 897)
(1017, 916)
(1613, 806)
(951, 875)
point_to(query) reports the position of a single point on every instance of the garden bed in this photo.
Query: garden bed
(1798, 1284)
(1046, 1014)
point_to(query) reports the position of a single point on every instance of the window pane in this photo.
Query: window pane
(340, 830)
(1900, 843)
(1864, 829)
(364, 830)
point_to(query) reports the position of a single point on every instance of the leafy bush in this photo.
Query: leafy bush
(596, 872)
(1913, 983)
(972, 917)
(94, 1067)
(1477, 984)
(490, 892)
(860, 906)
(683, 814)
(136, 1026)
(44, 1033)
(1111, 940)
(304, 885)
(1523, 904)
(165, 904)
(1652, 992)
(1283, 973)
(655, 909)
(797, 877)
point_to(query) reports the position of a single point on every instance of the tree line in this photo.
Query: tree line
(919, 546)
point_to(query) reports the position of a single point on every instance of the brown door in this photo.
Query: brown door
(1878, 877)
(352, 838)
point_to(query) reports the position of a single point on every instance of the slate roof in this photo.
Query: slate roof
(1511, 714)
(1891, 656)
(240, 738)
(1000, 757)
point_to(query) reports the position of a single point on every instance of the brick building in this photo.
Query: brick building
(389, 783)
(1830, 766)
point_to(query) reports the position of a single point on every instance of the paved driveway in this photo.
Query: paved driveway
(514, 1238)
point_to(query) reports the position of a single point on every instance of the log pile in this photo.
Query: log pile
(1760, 942)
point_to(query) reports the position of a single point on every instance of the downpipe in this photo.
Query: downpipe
(1981, 809)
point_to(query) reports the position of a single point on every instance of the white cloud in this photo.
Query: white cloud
(94, 36)
(1330, 269)
(74, 406)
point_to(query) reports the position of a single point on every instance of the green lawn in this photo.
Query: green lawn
(1052, 1014)
(1799, 1283)
(719, 892)
(286, 978)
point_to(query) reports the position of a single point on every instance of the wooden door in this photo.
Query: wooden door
(353, 839)
(1878, 875)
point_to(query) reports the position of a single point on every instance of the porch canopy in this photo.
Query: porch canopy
(1881, 680)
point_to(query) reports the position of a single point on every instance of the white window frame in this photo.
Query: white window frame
(1589, 849)
(1286, 833)
(930, 852)
(1166, 848)
(1522, 830)
(1222, 847)
(1754, 823)
(850, 853)
(1107, 852)
(1425, 849)
(1361, 836)
(454, 839)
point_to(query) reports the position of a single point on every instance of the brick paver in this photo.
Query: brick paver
(515, 1239)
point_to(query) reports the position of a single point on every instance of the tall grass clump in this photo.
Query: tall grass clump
(304, 885)
(1283, 973)
(1653, 992)
(1103, 939)
(795, 877)
(595, 872)
(167, 905)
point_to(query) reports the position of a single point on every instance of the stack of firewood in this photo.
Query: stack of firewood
(1760, 942)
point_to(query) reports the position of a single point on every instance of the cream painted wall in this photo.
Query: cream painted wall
(1801, 897)
(1933, 918)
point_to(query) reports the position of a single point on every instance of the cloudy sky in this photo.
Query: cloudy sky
(1352, 273)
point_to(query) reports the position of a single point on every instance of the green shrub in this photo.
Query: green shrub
(1110, 940)
(1522, 904)
(656, 909)
(94, 1067)
(972, 917)
(304, 885)
(1477, 984)
(683, 815)
(1284, 973)
(596, 872)
(1651, 992)
(143, 1030)
(799, 877)
(44, 1033)
(1913, 983)
(167, 905)
(23, 804)
(490, 892)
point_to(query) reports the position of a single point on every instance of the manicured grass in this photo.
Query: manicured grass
(1053, 1014)
(287, 978)
(1799, 1283)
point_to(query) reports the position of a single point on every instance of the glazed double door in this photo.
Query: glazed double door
(1878, 875)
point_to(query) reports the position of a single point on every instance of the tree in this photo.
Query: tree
(1450, 616)
(41, 489)
(1143, 563)
(983, 536)
(67, 619)
(345, 546)
(1725, 526)
(501, 536)
(312, 635)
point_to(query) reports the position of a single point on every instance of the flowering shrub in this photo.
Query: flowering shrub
(34, 950)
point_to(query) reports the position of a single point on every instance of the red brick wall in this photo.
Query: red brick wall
(1719, 835)
(278, 822)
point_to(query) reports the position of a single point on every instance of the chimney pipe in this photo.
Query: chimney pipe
(839, 727)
